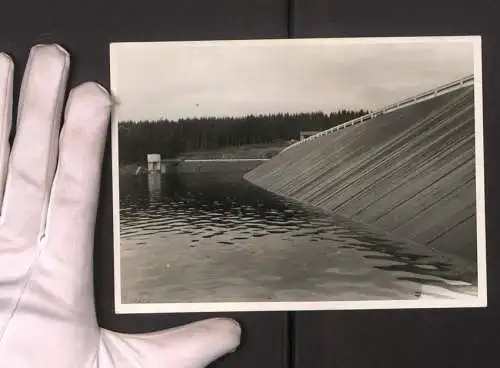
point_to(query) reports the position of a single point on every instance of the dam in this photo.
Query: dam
(407, 170)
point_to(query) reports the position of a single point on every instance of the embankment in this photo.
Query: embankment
(215, 167)
(218, 161)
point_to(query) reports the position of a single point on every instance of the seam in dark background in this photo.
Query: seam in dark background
(291, 343)
(291, 18)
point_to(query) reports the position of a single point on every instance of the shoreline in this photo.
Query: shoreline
(257, 151)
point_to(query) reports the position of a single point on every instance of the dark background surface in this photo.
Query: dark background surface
(85, 29)
(412, 338)
(430, 338)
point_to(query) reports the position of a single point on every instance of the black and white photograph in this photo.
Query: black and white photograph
(298, 174)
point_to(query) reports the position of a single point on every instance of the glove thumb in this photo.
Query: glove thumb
(194, 345)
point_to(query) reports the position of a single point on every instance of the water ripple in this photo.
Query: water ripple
(275, 248)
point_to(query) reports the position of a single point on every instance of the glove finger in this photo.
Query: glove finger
(69, 234)
(34, 152)
(192, 346)
(6, 82)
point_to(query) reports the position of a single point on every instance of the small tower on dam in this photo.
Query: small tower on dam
(154, 162)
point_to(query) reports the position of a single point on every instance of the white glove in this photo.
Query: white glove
(47, 313)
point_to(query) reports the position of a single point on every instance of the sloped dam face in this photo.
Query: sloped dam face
(410, 173)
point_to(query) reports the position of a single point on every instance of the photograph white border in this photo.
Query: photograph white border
(422, 303)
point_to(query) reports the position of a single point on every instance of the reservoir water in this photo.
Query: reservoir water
(207, 238)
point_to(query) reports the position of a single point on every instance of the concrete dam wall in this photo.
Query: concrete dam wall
(409, 172)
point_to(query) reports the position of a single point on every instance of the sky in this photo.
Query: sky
(172, 80)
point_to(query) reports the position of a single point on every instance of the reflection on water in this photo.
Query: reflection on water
(198, 238)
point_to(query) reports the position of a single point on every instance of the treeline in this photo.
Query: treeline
(172, 138)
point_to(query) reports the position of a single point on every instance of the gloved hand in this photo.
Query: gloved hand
(50, 183)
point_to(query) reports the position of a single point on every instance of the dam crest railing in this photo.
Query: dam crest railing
(449, 87)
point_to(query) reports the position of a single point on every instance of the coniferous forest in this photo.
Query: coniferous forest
(173, 138)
